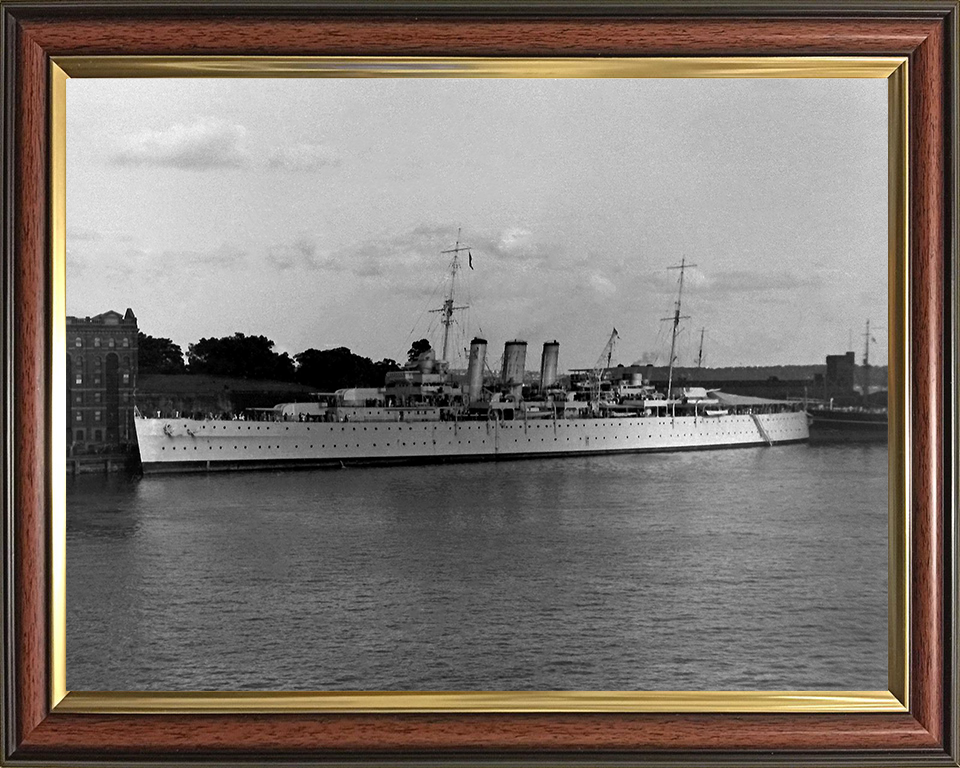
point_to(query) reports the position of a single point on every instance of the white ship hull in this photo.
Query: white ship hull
(184, 445)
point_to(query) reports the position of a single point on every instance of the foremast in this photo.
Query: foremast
(448, 308)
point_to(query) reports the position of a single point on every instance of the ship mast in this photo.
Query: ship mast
(700, 354)
(866, 364)
(677, 317)
(447, 310)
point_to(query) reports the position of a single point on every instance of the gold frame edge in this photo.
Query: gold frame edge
(58, 364)
(415, 66)
(898, 359)
(479, 701)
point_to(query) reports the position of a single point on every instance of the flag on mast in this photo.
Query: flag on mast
(470, 258)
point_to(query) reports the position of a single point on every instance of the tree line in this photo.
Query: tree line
(254, 357)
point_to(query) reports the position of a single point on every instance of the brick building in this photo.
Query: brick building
(101, 378)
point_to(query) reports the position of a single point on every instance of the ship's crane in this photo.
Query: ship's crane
(603, 362)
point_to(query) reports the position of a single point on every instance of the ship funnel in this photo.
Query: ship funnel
(478, 358)
(514, 363)
(548, 364)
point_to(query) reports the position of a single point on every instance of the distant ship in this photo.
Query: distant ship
(423, 414)
(851, 423)
(866, 422)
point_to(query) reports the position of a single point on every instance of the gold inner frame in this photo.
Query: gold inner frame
(895, 699)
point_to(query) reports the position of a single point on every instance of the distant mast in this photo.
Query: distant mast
(677, 317)
(447, 310)
(700, 353)
(866, 365)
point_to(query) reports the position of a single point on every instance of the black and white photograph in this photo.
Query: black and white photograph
(477, 384)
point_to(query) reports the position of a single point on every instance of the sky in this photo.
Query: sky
(314, 212)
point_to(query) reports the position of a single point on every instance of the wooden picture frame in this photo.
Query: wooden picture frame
(39, 729)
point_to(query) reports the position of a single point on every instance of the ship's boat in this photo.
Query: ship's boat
(423, 413)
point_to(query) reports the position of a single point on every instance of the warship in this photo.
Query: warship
(424, 413)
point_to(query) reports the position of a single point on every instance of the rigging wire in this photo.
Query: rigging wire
(458, 325)
(425, 311)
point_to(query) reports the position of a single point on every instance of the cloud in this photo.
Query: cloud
(515, 243)
(511, 273)
(602, 285)
(412, 253)
(302, 253)
(117, 261)
(224, 256)
(203, 145)
(666, 279)
(750, 282)
(303, 157)
(730, 282)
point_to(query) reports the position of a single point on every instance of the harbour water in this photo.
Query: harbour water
(757, 568)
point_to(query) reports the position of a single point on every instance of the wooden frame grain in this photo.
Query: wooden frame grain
(925, 32)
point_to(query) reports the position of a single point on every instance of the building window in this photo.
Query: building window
(79, 398)
(78, 361)
(79, 378)
(79, 434)
(96, 397)
(126, 378)
(96, 341)
(96, 379)
(126, 341)
(78, 342)
(79, 415)
(98, 435)
(112, 343)
(96, 415)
